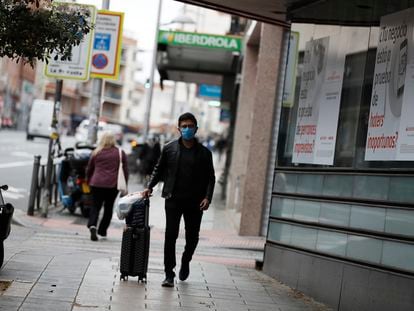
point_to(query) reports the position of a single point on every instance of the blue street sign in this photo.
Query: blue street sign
(102, 41)
(209, 91)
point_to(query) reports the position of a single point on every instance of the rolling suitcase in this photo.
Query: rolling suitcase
(135, 242)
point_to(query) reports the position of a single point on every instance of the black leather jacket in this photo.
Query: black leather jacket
(167, 166)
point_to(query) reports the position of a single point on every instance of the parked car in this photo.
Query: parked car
(81, 134)
(40, 119)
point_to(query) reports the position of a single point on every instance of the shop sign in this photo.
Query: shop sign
(390, 133)
(107, 45)
(290, 77)
(179, 38)
(319, 100)
(209, 91)
(78, 67)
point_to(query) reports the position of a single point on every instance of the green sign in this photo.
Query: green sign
(179, 38)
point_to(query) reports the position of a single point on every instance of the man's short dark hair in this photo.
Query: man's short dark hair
(187, 116)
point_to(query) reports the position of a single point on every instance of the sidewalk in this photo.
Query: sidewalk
(51, 264)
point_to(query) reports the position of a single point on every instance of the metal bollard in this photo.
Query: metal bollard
(40, 186)
(34, 185)
(55, 183)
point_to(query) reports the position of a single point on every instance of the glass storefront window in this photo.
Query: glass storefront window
(355, 247)
(352, 217)
(360, 44)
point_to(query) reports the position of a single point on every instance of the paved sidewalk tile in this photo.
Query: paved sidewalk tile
(53, 265)
(210, 287)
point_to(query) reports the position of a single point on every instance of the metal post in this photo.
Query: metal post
(34, 185)
(151, 79)
(96, 100)
(54, 135)
(95, 109)
(172, 112)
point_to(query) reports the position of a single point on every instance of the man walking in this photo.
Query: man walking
(186, 168)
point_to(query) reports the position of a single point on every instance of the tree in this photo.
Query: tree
(32, 29)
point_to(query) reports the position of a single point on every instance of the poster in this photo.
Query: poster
(77, 68)
(319, 101)
(107, 46)
(390, 134)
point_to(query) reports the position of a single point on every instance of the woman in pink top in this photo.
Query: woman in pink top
(102, 176)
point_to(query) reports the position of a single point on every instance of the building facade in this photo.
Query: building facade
(16, 93)
(338, 178)
(341, 214)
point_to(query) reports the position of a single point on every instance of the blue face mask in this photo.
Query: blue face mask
(188, 133)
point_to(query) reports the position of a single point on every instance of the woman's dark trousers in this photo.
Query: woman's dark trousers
(105, 197)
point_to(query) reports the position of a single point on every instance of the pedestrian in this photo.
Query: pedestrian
(150, 159)
(186, 168)
(221, 146)
(102, 176)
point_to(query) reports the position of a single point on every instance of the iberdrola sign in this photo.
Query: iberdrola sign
(179, 38)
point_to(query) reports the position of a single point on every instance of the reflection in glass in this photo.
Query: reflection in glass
(364, 248)
(371, 187)
(398, 255)
(338, 185)
(401, 189)
(304, 237)
(331, 242)
(335, 214)
(307, 210)
(282, 207)
(310, 184)
(280, 232)
(369, 218)
(400, 222)
(285, 183)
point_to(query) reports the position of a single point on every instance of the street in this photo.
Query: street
(16, 163)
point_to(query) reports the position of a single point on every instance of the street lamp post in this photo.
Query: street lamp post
(96, 100)
(150, 89)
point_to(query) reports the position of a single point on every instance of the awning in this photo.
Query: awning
(335, 12)
(196, 57)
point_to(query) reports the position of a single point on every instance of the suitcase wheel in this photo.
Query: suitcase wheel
(142, 279)
(123, 277)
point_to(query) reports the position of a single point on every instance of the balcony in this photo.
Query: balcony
(113, 97)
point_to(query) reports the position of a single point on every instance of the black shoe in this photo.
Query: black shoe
(94, 237)
(184, 271)
(168, 282)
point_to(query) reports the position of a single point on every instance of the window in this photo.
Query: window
(354, 102)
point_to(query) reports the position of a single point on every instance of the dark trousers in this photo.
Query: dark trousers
(174, 209)
(105, 197)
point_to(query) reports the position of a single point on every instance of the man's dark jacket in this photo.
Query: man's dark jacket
(167, 167)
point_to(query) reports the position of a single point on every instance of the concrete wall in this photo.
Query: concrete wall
(341, 285)
(253, 133)
(242, 131)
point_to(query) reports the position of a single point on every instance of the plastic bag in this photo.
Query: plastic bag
(125, 203)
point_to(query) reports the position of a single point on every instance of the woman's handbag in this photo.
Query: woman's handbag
(121, 184)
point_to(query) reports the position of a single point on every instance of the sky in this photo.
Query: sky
(140, 22)
(140, 16)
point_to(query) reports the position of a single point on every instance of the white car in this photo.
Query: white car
(81, 134)
(40, 120)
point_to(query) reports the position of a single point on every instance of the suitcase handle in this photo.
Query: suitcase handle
(147, 203)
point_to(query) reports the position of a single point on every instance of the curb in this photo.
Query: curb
(16, 219)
